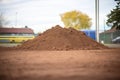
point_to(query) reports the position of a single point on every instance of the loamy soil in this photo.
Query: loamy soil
(58, 38)
(60, 65)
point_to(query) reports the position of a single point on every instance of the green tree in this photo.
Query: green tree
(114, 17)
(76, 20)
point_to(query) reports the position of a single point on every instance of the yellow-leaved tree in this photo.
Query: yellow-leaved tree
(76, 20)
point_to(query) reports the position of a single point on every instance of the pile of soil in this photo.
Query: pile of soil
(58, 38)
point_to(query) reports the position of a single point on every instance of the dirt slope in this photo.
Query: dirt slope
(58, 38)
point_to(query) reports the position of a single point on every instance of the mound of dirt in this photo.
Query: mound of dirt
(58, 38)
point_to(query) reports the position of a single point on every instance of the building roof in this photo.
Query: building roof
(110, 31)
(16, 30)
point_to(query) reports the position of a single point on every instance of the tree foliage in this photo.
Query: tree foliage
(114, 17)
(3, 20)
(76, 20)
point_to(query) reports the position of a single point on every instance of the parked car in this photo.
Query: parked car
(116, 40)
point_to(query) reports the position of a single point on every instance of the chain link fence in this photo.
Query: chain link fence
(107, 37)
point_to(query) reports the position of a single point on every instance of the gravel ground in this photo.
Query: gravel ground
(60, 65)
(113, 45)
(9, 44)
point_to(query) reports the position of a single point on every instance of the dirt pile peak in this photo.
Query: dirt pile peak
(58, 38)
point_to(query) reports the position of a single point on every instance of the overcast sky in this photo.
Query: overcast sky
(43, 14)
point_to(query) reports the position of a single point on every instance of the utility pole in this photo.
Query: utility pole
(104, 24)
(104, 30)
(97, 19)
(16, 20)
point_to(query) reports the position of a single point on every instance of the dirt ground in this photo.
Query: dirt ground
(60, 65)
